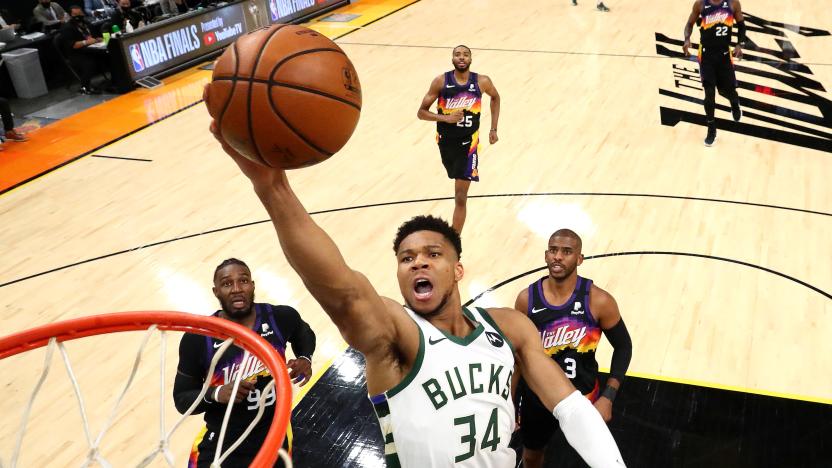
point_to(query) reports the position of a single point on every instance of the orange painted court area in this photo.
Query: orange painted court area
(81, 134)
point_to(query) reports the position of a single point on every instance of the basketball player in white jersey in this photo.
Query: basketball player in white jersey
(439, 376)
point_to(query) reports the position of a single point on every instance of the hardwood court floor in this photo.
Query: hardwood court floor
(726, 279)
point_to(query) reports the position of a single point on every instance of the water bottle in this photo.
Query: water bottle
(255, 13)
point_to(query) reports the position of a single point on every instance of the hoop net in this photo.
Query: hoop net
(55, 334)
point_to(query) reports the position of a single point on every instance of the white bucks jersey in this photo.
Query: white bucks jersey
(454, 408)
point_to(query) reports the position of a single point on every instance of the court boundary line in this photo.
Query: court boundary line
(316, 375)
(373, 21)
(136, 130)
(403, 202)
(662, 252)
(695, 382)
(125, 158)
(92, 150)
(119, 138)
(729, 388)
(548, 52)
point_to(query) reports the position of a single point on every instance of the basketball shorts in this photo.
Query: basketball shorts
(538, 424)
(459, 156)
(205, 446)
(716, 67)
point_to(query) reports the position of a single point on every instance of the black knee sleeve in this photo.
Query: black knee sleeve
(710, 101)
(728, 93)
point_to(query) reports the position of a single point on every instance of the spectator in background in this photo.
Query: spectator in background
(6, 21)
(90, 6)
(126, 18)
(50, 14)
(74, 38)
(170, 7)
(8, 123)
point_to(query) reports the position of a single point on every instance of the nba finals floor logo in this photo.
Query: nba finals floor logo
(781, 100)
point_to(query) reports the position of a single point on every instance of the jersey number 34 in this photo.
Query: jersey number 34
(469, 440)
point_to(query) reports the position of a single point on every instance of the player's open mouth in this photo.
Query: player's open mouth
(423, 289)
(557, 268)
(238, 302)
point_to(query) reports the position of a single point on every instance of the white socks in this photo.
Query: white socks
(586, 432)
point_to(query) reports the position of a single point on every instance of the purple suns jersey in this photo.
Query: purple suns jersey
(569, 332)
(466, 97)
(715, 24)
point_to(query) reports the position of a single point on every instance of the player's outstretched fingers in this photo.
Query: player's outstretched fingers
(300, 371)
(244, 389)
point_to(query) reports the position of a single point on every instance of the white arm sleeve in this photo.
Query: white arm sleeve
(586, 432)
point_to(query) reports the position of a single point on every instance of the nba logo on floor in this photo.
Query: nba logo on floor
(136, 56)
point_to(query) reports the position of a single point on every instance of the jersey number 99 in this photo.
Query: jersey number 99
(254, 398)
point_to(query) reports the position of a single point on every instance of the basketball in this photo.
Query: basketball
(285, 96)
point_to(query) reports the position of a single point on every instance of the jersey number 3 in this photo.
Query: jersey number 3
(569, 370)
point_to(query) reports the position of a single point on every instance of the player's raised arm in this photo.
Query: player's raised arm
(580, 422)
(345, 295)
(694, 15)
(432, 95)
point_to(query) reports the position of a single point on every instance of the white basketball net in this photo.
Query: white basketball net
(94, 454)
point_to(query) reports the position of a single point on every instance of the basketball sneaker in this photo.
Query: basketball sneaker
(602, 7)
(736, 110)
(12, 135)
(709, 139)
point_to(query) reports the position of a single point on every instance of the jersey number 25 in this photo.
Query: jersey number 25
(466, 122)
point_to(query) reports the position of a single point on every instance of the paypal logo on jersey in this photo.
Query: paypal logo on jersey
(136, 58)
